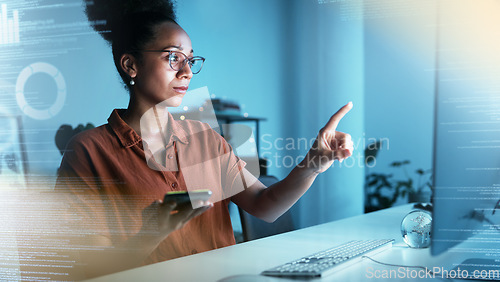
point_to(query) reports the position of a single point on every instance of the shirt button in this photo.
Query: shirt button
(170, 156)
(174, 185)
(194, 251)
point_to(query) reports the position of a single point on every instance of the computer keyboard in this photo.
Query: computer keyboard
(331, 260)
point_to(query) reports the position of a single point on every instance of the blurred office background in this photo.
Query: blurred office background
(294, 63)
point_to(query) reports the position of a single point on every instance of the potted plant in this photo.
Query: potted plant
(382, 190)
(378, 186)
(419, 191)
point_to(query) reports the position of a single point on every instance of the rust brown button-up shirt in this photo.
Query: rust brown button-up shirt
(111, 182)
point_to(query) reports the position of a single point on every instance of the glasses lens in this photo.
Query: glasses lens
(176, 60)
(195, 64)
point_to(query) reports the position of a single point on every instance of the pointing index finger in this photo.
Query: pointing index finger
(335, 119)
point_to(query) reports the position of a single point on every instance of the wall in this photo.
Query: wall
(326, 72)
(399, 45)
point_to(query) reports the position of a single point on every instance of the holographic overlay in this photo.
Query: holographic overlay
(13, 160)
(467, 129)
(187, 138)
(41, 236)
(358, 10)
(46, 229)
(9, 27)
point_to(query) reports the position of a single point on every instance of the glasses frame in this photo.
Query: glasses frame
(188, 59)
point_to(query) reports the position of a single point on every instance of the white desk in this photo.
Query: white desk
(244, 262)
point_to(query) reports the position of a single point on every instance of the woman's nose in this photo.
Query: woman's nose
(185, 72)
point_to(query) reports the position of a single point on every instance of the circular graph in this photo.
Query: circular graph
(23, 77)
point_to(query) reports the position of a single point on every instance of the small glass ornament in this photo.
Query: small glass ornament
(416, 228)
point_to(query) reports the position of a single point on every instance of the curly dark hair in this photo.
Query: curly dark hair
(128, 25)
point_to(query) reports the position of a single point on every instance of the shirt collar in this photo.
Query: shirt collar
(178, 133)
(128, 137)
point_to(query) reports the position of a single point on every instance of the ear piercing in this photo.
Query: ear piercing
(132, 82)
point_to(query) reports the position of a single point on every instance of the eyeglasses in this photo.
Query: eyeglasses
(177, 60)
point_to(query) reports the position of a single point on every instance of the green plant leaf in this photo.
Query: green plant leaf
(379, 187)
(372, 182)
(385, 202)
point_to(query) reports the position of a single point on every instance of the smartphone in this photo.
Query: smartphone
(184, 197)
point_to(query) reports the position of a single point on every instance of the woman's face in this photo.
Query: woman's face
(156, 81)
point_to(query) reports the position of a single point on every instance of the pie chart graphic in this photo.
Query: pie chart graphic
(52, 71)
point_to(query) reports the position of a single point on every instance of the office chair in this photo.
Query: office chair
(255, 228)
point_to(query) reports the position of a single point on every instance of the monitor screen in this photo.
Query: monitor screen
(467, 129)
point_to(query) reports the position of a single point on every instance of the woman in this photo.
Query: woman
(106, 169)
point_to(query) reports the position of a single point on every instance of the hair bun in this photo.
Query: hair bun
(110, 17)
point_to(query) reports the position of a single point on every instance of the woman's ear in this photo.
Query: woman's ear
(128, 64)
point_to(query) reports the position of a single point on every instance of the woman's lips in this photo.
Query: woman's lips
(181, 89)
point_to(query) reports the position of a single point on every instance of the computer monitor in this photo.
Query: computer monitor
(467, 133)
(466, 168)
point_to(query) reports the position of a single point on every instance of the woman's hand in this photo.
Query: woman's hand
(160, 219)
(330, 145)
